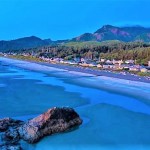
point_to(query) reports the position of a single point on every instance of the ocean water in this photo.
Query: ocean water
(115, 113)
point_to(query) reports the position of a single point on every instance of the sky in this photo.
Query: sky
(65, 19)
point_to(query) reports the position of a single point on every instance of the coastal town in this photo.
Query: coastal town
(100, 64)
(128, 65)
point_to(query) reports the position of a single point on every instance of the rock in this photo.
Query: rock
(8, 122)
(10, 147)
(11, 136)
(53, 121)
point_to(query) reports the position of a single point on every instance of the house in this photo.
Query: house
(102, 60)
(61, 60)
(117, 62)
(108, 66)
(118, 66)
(134, 68)
(99, 66)
(144, 70)
(109, 62)
(125, 66)
(129, 61)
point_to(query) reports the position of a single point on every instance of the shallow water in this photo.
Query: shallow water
(116, 114)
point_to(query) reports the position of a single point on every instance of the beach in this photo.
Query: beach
(118, 110)
(77, 69)
(106, 80)
(107, 73)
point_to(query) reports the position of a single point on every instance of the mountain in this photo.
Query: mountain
(23, 43)
(109, 32)
(106, 33)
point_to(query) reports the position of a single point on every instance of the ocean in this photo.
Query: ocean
(115, 112)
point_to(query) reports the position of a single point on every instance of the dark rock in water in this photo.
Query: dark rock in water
(11, 136)
(10, 147)
(53, 121)
(8, 122)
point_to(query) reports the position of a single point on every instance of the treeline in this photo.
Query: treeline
(109, 50)
(141, 55)
(87, 50)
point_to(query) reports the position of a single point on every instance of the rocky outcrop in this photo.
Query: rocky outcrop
(8, 122)
(55, 120)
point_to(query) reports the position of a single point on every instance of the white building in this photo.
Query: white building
(143, 70)
(117, 62)
(129, 61)
(102, 60)
(149, 63)
(134, 68)
(109, 62)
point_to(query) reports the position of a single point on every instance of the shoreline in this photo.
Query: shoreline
(124, 109)
(105, 74)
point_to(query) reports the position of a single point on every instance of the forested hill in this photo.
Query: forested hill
(107, 32)
(23, 43)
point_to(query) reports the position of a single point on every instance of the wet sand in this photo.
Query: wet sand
(43, 66)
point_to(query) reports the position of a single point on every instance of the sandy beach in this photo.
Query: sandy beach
(31, 88)
(134, 86)
(106, 73)
(104, 80)
(43, 66)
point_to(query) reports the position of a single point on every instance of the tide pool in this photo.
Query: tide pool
(115, 113)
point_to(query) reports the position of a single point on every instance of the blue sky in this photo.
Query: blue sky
(63, 19)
